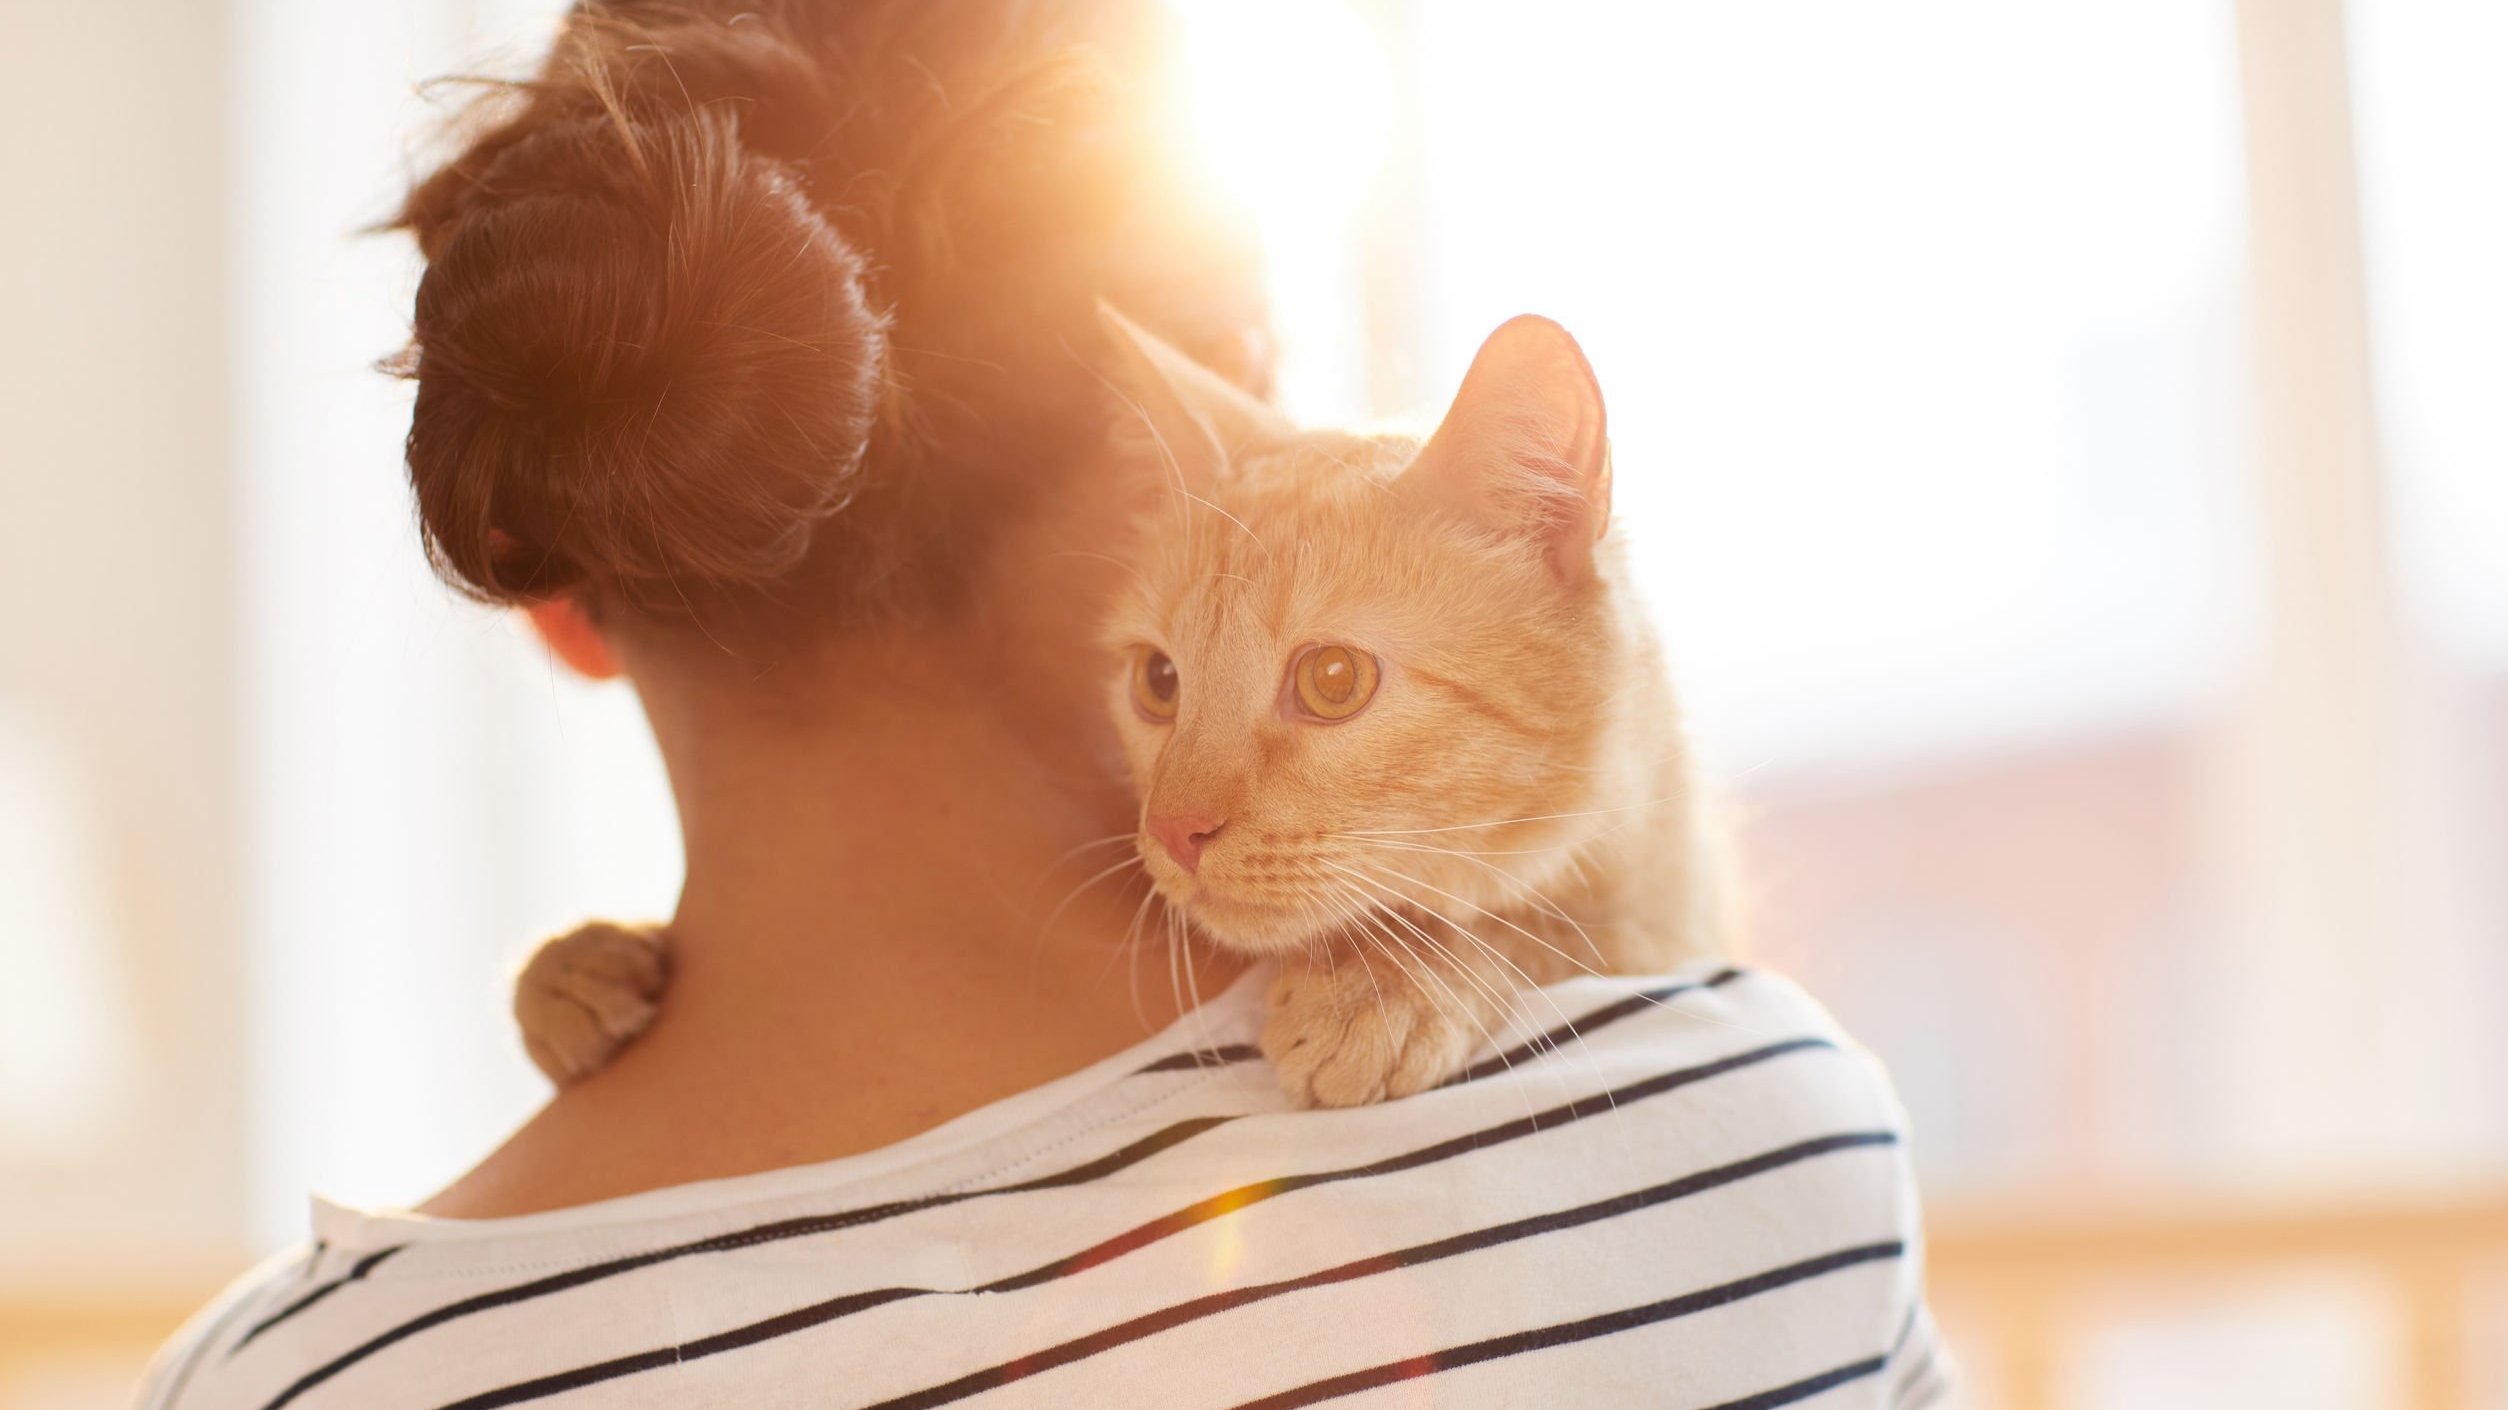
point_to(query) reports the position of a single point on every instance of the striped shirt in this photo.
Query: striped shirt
(1679, 1192)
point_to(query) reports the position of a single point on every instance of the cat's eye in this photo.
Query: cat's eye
(1155, 684)
(1332, 683)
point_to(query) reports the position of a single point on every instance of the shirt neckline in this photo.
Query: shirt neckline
(1226, 1015)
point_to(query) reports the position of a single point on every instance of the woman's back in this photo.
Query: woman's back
(1701, 1199)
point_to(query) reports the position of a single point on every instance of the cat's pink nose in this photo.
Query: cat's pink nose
(1184, 835)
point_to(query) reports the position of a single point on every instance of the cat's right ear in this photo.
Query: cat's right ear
(1524, 450)
(1187, 418)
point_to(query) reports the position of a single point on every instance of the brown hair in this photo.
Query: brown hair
(791, 303)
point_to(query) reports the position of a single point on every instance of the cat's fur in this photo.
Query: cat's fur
(1514, 803)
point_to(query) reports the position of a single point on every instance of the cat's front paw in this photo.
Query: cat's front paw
(1348, 1035)
(586, 994)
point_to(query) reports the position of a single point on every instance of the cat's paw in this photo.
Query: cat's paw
(1348, 1036)
(586, 994)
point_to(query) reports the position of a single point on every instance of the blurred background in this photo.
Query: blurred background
(2066, 444)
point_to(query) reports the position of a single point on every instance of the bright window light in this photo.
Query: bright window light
(1922, 346)
(66, 1039)
(1290, 103)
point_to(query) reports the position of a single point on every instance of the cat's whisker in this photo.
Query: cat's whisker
(1231, 518)
(1525, 982)
(1131, 952)
(1633, 819)
(1093, 553)
(1541, 1042)
(1510, 822)
(1543, 760)
(1476, 907)
(1523, 887)
(1047, 924)
(1571, 959)
(1488, 1037)
(1501, 1005)
(1139, 578)
(1466, 931)
(1358, 919)
(1398, 844)
(1178, 945)
(1361, 916)
(1175, 976)
(1114, 952)
(1378, 936)
(1506, 1011)
(1174, 925)
(1192, 981)
(1499, 1002)
(1167, 457)
(1563, 954)
(1425, 969)
(1376, 943)
(1045, 928)
(1109, 840)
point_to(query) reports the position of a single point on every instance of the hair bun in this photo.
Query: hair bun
(653, 368)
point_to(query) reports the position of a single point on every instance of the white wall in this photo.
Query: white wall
(117, 640)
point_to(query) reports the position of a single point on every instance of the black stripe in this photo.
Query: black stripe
(356, 1271)
(1588, 1328)
(1167, 1319)
(1203, 1057)
(1599, 1018)
(1201, 1212)
(1140, 1150)
(1521, 1053)
(738, 1337)
(1806, 1388)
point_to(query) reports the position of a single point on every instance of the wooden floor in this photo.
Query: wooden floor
(2028, 1286)
(86, 1353)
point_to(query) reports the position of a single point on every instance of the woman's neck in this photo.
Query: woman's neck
(889, 920)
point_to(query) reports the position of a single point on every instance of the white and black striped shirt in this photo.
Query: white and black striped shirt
(1697, 1199)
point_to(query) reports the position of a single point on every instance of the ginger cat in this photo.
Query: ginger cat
(1396, 722)
(1395, 718)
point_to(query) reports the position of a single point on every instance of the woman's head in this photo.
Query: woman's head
(780, 318)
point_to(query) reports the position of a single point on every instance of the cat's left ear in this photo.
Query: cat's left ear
(1524, 449)
(1193, 419)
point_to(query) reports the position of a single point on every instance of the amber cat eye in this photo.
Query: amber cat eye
(1333, 682)
(1154, 684)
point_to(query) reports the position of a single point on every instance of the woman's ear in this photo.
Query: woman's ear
(563, 623)
(1523, 450)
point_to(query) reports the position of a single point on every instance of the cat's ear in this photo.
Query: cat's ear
(1523, 450)
(1191, 419)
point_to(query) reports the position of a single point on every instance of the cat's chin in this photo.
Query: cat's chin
(1252, 929)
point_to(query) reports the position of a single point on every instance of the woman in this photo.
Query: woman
(754, 359)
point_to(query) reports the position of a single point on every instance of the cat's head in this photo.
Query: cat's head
(1354, 669)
